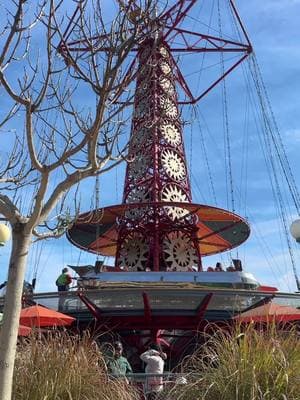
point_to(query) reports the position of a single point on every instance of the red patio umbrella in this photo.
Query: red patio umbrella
(24, 330)
(270, 312)
(42, 316)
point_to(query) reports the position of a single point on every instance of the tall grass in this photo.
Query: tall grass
(64, 367)
(250, 365)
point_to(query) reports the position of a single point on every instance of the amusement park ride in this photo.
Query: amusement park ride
(157, 290)
(157, 227)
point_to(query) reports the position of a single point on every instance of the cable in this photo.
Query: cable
(227, 144)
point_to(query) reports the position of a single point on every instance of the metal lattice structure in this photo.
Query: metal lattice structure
(157, 227)
(157, 173)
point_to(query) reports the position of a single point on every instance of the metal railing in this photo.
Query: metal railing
(147, 383)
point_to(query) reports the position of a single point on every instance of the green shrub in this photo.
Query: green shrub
(64, 367)
(251, 365)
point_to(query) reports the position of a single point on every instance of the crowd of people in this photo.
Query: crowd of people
(235, 266)
(154, 359)
(64, 280)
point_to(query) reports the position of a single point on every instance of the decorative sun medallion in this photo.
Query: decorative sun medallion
(174, 193)
(173, 164)
(165, 67)
(141, 108)
(133, 252)
(166, 85)
(136, 195)
(179, 252)
(163, 52)
(138, 167)
(140, 138)
(168, 107)
(171, 134)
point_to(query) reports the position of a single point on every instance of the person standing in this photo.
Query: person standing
(155, 361)
(118, 365)
(219, 267)
(64, 280)
(63, 285)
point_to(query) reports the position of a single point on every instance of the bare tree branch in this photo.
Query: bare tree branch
(63, 120)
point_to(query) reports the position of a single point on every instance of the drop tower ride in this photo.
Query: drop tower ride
(157, 227)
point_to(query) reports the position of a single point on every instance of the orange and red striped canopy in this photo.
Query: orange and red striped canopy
(218, 230)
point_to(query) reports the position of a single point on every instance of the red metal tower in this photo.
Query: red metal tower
(156, 237)
(157, 228)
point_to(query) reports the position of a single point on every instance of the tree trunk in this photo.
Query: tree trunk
(12, 309)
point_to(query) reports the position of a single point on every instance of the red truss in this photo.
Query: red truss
(187, 41)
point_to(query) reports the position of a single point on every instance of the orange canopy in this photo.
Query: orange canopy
(217, 229)
(270, 312)
(42, 316)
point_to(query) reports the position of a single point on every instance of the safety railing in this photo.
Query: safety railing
(150, 384)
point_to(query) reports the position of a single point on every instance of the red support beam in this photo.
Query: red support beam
(176, 14)
(147, 308)
(95, 311)
(203, 307)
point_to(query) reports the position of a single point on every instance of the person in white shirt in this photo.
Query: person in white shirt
(154, 358)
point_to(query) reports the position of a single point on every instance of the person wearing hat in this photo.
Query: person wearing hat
(154, 358)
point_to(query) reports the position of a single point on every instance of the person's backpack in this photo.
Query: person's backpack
(63, 279)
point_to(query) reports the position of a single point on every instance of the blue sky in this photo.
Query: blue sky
(272, 26)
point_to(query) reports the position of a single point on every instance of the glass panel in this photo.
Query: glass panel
(175, 300)
(68, 302)
(117, 299)
(233, 302)
(287, 301)
(164, 301)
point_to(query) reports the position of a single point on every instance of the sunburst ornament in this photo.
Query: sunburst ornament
(140, 138)
(165, 67)
(173, 164)
(138, 167)
(168, 107)
(166, 85)
(179, 252)
(163, 52)
(136, 195)
(171, 134)
(133, 252)
(174, 193)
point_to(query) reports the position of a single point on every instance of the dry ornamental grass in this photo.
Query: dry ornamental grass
(250, 365)
(64, 367)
